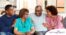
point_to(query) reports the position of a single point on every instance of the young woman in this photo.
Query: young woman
(24, 24)
(54, 21)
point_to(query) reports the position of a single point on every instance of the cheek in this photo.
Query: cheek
(48, 13)
(26, 16)
(12, 11)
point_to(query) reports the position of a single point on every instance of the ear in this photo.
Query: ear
(6, 11)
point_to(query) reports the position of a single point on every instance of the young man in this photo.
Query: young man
(38, 18)
(6, 21)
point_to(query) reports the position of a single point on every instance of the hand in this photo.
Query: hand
(53, 24)
(30, 33)
(32, 30)
(12, 26)
(46, 24)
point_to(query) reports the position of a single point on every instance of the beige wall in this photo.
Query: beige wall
(51, 2)
(4, 2)
(30, 4)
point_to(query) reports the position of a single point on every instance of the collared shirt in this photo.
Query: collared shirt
(55, 21)
(38, 22)
(23, 27)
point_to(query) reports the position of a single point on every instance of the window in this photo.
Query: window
(60, 5)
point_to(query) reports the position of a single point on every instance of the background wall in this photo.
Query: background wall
(30, 4)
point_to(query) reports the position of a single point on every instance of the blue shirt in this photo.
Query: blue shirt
(23, 27)
(6, 23)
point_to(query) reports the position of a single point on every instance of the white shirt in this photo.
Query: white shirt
(38, 22)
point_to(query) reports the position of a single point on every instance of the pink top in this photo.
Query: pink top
(56, 21)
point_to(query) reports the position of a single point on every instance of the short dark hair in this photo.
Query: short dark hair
(52, 9)
(8, 6)
(37, 7)
(22, 12)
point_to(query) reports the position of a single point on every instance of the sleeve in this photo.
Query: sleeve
(1, 24)
(16, 24)
(60, 18)
(31, 23)
(31, 20)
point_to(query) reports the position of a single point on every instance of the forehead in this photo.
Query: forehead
(11, 8)
(38, 8)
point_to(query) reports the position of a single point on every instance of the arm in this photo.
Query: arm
(32, 27)
(13, 23)
(48, 26)
(32, 30)
(16, 27)
(16, 32)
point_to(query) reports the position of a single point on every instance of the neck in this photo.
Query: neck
(23, 19)
(53, 16)
(8, 15)
(38, 15)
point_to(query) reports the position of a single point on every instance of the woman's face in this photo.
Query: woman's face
(26, 15)
(48, 13)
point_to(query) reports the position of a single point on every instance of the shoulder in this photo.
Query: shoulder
(15, 16)
(3, 17)
(43, 14)
(29, 18)
(31, 14)
(60, 17)
(18, 20)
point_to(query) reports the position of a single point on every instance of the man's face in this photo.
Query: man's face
(38, 11)
(11, 11)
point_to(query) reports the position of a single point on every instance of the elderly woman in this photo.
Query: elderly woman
(53, 20)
